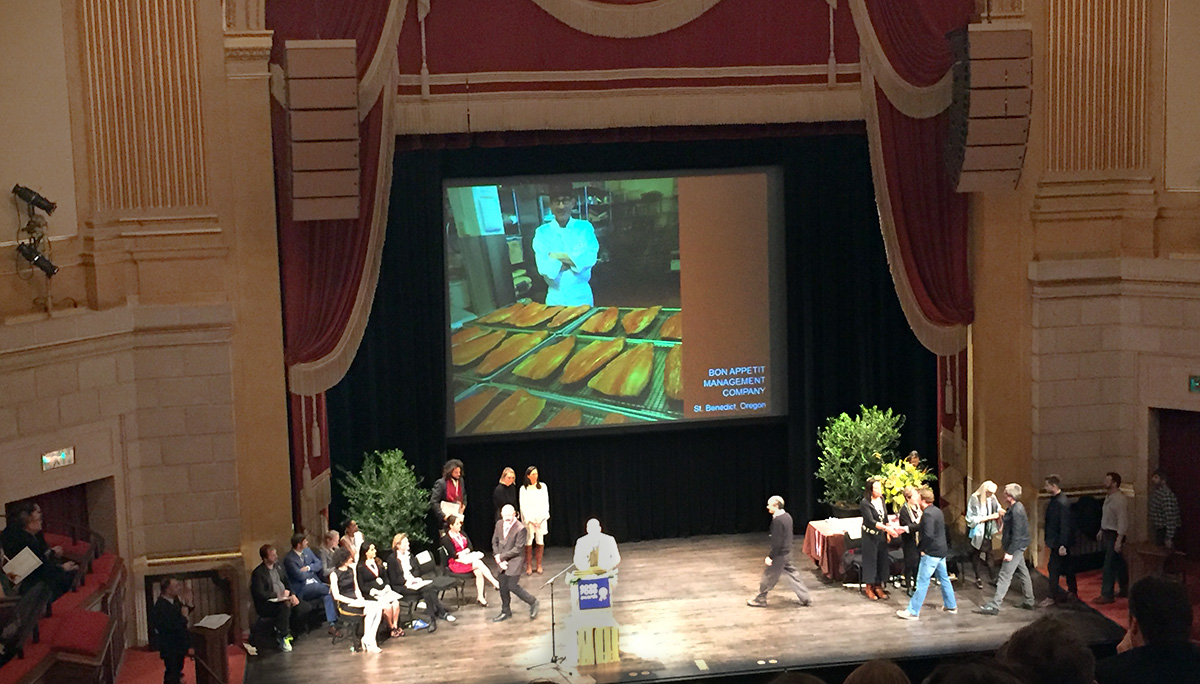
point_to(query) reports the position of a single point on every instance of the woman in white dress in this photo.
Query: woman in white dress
(535, 514)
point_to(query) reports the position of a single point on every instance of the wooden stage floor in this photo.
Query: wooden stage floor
(682, 608)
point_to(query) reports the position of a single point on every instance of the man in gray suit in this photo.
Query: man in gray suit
(508, 547)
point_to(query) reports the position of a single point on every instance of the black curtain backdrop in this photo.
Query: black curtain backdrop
(848, 344)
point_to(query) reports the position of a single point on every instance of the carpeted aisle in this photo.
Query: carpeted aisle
(145, 667)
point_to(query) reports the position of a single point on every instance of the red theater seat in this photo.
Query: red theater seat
(37, 659)
(83, 633)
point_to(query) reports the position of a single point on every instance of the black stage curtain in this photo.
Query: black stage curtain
(848, 344)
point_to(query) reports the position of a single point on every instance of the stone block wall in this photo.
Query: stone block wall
(1113, 339)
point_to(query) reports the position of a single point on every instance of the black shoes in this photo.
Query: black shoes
(502, 617)
(987, 610)
(533, 609)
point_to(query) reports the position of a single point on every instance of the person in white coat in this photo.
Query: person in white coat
(565, 250)
(535, 515)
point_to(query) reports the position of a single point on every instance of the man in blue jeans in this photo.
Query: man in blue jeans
(931, 542)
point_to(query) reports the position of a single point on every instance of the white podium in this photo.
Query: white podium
(597, 633)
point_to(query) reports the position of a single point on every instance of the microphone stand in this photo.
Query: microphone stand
(555, 658)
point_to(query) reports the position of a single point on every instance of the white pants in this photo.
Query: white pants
(372, 614)
(535, 533)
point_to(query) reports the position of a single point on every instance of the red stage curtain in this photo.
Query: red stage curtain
(323, 264)
(929, 217)
(912, 35)
(322, 261)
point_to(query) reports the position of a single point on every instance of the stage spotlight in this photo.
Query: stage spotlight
(33, 199)
(35, 257)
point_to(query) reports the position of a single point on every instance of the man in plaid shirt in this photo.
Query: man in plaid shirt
(1164, 511)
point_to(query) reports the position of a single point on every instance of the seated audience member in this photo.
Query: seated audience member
(1156, 649)
(344, 587)
(463, 559)
(978, 671)
(272, 599)
(372, 582)
(878, 672)
(25, 530)
(1049, 651)
(326, 552)
(403, 579)
(352, 540)
(304, 576)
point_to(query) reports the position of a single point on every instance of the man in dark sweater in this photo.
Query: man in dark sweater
(779, 558)
(1156, 648)
(933, 547)
(169, 624)
(272, 599)
(1060, 534)
(1015, 540)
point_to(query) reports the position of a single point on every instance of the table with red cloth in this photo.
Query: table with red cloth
(824, 542)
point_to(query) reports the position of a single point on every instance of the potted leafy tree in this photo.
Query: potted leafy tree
(385, 497)
(854, 449)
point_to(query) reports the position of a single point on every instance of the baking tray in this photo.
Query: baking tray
(543, 326)
(651, 403)
(468, 374)
(592, 414)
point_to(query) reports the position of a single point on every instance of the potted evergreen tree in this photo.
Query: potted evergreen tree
(854, 449)
(385, 497)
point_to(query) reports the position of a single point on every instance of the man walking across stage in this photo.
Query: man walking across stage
(933, 547)
(1016, 539)
(508, 548)
(779, 558)
(1060, 536)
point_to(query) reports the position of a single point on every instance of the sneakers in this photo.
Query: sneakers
(419, 624)
(988, 610)
(1046, 602)
(903, 614)
(952, 611)
(756, 603)
(449, 618)
(285, 645)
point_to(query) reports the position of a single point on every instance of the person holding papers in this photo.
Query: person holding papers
(448, 495)
(565, 250)
(26, 532)
(401, 576)
(463, 559)
(272, 599)
(344, 587)
(372, 582)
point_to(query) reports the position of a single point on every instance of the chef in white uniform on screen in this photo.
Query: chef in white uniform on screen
(566, 249)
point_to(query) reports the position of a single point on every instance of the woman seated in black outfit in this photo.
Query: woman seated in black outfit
(344, 588)
(404, 580)
(373, 583)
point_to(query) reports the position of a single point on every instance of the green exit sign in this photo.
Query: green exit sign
(1194, 383)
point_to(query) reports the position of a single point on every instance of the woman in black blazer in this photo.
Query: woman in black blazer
(875, 535)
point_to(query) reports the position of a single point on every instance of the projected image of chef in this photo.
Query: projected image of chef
(566, 249)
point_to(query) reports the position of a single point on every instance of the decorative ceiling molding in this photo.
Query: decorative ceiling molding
(612, 20)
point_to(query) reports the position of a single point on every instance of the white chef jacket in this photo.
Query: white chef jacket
(567, 286)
